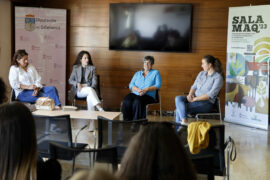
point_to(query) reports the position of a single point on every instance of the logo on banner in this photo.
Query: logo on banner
(30, 22)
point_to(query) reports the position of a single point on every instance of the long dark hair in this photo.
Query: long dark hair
(18, 55)
(215, 63)
(79, 57)
(156, 152)
(3, 90)
(18, 152)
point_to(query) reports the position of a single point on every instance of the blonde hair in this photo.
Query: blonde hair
(18, 157)
(96, 174)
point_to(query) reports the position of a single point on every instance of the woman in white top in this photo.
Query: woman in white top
(25, 80)
(84, 81)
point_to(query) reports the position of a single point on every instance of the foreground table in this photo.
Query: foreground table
(80, 114)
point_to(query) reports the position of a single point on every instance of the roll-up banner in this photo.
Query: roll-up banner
(247, 69)
(42, 33)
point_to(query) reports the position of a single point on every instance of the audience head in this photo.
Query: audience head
(20, 58)
(18, 152)
(214, 63)
(82, 56)
(96, 174)
(3, 90)
(156, 152)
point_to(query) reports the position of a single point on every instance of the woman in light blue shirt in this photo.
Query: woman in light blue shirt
(143, 88)
(203, 92)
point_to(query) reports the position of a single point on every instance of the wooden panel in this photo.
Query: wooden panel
(89, 36)
(94, 13)
(89, 30)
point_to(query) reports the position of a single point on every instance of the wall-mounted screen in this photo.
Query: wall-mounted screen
(150, 27)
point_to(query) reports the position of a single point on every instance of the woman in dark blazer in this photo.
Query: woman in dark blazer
(84, 81)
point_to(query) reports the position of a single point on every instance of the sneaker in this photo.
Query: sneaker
(100, 109)
(57, 108)
(184, 123)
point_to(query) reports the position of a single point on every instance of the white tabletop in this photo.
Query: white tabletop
(80, 114)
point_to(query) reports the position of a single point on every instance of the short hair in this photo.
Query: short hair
(156, 152)
(79, 57)
(18, 155)
(18, 55)
(149, 58)
(3, 90)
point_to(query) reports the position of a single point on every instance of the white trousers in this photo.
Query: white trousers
(92, 100)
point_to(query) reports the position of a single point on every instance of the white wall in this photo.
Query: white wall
(5, 39)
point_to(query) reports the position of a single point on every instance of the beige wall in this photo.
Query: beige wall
(5, 39)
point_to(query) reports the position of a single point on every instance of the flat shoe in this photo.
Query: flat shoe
(184, 123)
(57, 108)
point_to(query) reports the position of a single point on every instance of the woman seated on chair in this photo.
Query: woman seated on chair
(18, 152)
(84, 80)
(156, 152)
(25, 80)
(203, 92)
(143, 86)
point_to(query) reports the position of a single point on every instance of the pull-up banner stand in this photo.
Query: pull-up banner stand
(247, 70)
(42, 33)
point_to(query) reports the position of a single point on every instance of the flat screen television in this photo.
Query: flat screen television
(150, 27)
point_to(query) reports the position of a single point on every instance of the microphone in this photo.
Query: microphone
(77, 134)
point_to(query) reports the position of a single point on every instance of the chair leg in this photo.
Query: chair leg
(74, 102)
(160, 111)
(220, 118)
(91, 159)
(73, 164)
(219, 109)
(210, 175)
(228, 164)
(114, 167)
(95, 139)
(146, 111)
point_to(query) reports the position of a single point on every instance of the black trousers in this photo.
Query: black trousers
(134, 106)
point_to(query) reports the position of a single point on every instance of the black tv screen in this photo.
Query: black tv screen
(150, 27)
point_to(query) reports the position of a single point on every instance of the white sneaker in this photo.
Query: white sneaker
(100, 109)
(184, 123)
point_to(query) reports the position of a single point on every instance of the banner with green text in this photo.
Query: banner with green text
(247, 69)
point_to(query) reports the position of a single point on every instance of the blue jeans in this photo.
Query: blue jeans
(183, 107)
(47, 91)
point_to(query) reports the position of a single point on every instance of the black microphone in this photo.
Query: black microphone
(77, 134)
